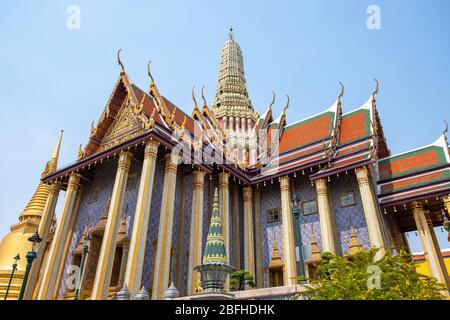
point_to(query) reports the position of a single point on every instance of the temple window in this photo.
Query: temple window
(94, 194)
(309, 207)
(273, 215)
(131, 182)
(347, 199)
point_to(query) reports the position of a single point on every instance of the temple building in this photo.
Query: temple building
(142, 189)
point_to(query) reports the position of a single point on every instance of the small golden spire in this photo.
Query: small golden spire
(275, 260)
(315, 252)
(355, 246)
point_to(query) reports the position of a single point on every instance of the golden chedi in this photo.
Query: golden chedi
(16, 242)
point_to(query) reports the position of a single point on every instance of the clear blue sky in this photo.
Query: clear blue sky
(54, 78)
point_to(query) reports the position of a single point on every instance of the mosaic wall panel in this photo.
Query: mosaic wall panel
(345, 215)
(270, 199)
(308, 222)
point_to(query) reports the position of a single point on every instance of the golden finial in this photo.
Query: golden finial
(203, 97)
(80, 152)
(149, 73)
(93, 128)
(375, 92)
(119, 62)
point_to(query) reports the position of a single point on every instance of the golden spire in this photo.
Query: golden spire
(315, 252)
(36, 205)
(355, 246)
(53, 163)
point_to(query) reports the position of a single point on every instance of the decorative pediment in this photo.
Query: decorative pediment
(124, 127)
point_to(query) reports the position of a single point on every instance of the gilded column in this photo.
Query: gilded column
(259, 239)
(138, 240)
(44, 228)
(163, 248)
(429, 243)
(107, 251)
(236, 227)
(370, 210)
(249, 243)
(290, 272)
(325, 216)
(224, 196)
(195, 239)
(51, 277)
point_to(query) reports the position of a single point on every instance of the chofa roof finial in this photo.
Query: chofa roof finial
(287, 103)
(273, 100)
(119, 62)
(149, 72)
(341, 94)
(203, 97)
(193, 97)
(446, 128)
(375, 92)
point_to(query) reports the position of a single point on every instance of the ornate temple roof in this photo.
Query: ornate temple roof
(423, 171)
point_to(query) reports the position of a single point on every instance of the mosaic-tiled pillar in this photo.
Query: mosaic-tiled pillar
(370, 210)
(259, 239)
(164, 245)
(136, 255)
(325, 216)
(108, 248)
(290, 271)
(249, 243)
(429, 243)
(195, 237)
(236, 227)
(44, 229)
(51, 277)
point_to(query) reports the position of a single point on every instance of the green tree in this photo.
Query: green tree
(240, 278)
(361, 277)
